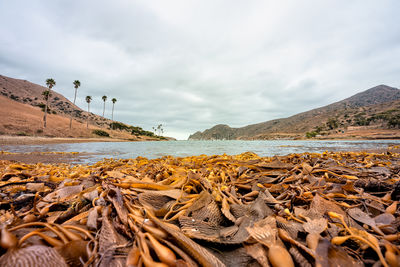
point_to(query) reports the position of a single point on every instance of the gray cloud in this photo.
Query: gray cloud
(192, 64)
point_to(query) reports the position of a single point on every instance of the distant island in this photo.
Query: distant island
(372, 114)
(22, 106)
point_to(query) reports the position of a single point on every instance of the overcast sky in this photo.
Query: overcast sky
(192, 64)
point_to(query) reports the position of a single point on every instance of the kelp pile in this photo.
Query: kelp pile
(329, 209)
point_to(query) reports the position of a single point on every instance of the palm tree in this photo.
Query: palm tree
(46, 94)
(104, 97)
(76, 83)
(50, 83)
(112, 113)
(88, 100)
(160, 129)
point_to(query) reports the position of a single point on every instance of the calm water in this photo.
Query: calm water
(100, 150)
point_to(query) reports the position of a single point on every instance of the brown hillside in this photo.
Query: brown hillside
(21, 115)
(29, 93)
(24, 119)
(373, 108)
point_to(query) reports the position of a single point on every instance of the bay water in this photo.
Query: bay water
(95, 151)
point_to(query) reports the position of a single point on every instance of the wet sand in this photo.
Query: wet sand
(38, 140)
(44, 157)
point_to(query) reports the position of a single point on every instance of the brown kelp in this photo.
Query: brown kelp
(329, 209)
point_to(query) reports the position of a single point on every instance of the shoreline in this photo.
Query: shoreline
(77, 158)
(41, 140)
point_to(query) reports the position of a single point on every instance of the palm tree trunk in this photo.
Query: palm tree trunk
(87, 121)
(104, 107)
(45, 110)
(112, 113)
(70, 120)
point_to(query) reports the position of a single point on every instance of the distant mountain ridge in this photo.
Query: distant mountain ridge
(358, 110)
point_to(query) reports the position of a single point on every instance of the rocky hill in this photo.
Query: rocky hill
(375, 108)
(22, 107)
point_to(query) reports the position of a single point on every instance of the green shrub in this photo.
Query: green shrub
(22, 134)
(139, 131)
(101, 133)
(311, 134)
(43, 106)
(332, 123)
(134, 130)
(361, 121)
(394, 121)
(318, 129)
(119, 126)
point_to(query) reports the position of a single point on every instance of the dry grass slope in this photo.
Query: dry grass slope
(20, 114)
